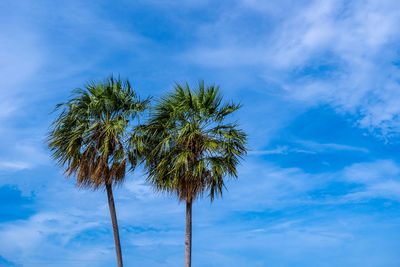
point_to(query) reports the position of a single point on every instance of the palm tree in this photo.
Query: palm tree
(191, 147)
(90, 138)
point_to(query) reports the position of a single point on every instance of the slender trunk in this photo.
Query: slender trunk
(188, 235)
(113, 214)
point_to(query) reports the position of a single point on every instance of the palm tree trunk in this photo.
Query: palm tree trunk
(113, 214)
(188, 235)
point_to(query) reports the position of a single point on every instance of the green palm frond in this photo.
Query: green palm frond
(90, 137)
(188, 144)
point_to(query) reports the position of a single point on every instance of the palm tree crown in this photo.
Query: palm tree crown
(191, 146)
(89, 138)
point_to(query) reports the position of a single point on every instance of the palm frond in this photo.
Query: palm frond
(90, 137)
(188, 144)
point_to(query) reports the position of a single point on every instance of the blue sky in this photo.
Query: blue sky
(320, 85)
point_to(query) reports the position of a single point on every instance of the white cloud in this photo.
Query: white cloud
(278, 150)
(308, 147)
(139, 188)
(20, 60)
(385, 189)
(367, 172)
(380, 179)
(24, 155)
(13, 165)
(321, 147)
(43, 234)
(271, 187)
(360, 39)
(336, 52)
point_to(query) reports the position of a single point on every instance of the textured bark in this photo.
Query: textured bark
(113, 214)
(188, 235)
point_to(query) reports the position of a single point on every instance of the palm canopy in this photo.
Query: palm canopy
(89, 138)
(189, 145)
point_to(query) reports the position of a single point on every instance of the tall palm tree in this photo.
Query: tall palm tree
(191, 146)
(90, 138)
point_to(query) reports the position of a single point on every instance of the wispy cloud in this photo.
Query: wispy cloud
(278, 150)
(25, 155)
(309, 147)
(325, 52)
(150, 221)
(379, 179)
(321, 147)
(13, 165)
(55, 231)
